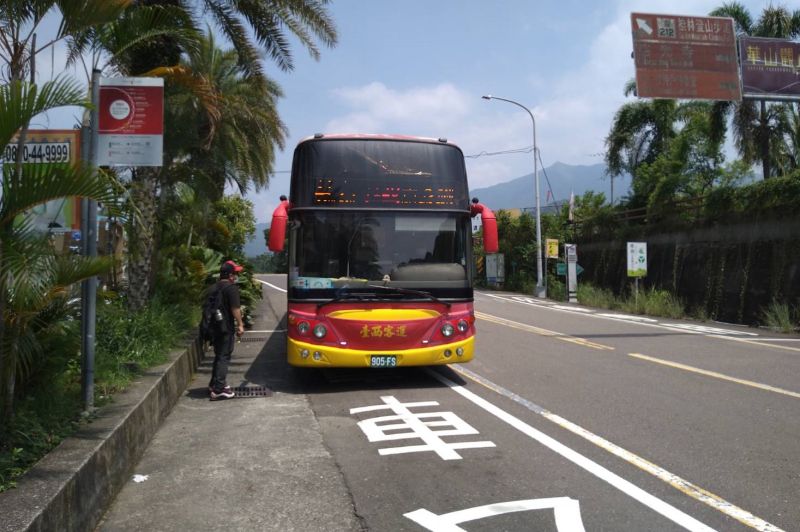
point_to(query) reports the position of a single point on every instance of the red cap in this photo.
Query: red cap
(229, 267)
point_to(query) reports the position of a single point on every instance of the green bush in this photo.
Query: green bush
(593, 296)
(778, 317)
(555, 288)
(654, 302)
(126, 344)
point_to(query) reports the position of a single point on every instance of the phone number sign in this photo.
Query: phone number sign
(678, 56)
(44, 146)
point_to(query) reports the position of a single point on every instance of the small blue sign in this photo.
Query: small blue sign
(76, 236)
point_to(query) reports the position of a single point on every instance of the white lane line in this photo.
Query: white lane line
(573, 309)
(615, 480)
(754, 341)
(272, 285)
(757, 341)
(716, 375)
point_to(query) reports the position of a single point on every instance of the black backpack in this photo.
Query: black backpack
(210, 326)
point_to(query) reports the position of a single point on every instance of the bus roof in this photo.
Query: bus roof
(372, 136)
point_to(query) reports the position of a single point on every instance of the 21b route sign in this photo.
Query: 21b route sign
(679, 56)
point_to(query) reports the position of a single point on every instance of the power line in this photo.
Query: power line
(527, 149)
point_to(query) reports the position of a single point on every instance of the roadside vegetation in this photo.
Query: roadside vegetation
(180, 221)
(723, 236)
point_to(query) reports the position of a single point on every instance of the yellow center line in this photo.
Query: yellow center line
(716, 375)
(542, 332)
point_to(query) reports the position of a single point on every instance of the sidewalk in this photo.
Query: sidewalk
(255, 463)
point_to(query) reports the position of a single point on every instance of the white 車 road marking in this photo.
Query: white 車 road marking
(427, 426)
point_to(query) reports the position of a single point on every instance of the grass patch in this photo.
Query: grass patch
(652, 302)
(50, 408)
(593, 296)
(779, 317)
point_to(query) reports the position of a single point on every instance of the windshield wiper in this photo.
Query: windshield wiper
(364, 296)
(361, 296)
(398, 290)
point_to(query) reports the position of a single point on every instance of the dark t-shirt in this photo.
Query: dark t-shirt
(230, 300)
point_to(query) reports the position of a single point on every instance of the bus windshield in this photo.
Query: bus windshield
(349, 249)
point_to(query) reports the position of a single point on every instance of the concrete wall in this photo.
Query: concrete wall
(71, 488)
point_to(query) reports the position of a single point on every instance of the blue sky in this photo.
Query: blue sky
(419, 67)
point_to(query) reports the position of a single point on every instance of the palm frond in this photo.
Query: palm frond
(43, 182)
(775, 21)
(144, 25)
(21, 101)
(226, 19)
(77, 15)
(740, 15)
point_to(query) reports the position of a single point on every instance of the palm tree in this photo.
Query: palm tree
(759, 129)
(640, 132)
(238, 146)
(33, 282)
(269, 21)
(31, 279)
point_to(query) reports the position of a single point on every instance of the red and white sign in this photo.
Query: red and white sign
(131, 122)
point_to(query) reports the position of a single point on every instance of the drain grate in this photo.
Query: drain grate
(252, 391)
(252, 338)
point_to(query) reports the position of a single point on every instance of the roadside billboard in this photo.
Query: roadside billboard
(50, 146)
(770, 68)
(680, 56)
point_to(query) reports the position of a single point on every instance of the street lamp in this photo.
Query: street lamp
(541, 291)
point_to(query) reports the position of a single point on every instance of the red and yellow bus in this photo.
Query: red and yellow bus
(379, 252)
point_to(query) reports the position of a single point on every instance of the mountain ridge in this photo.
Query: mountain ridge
(564, 179)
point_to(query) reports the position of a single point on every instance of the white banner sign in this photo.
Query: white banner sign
(637, 259)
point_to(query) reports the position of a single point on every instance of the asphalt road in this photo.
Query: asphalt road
(568, 419)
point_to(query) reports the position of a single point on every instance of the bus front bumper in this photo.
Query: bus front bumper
(325, 356)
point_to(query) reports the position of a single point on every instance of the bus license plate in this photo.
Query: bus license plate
(383, 361)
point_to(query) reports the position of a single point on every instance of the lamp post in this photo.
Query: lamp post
(541, 291)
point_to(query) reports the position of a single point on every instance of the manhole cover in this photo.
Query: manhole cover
(252, 391)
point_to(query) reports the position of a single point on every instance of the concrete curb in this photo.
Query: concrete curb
(71, 487)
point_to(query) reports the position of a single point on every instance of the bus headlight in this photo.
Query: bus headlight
(303, 327)
(320, 331)
(462, 325)
(447, 330)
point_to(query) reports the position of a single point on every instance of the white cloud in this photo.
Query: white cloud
(380, 109)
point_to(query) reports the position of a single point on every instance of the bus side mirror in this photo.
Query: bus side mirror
(277, 230)
(489, 222)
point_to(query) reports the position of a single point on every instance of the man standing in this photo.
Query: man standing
(224, 342)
